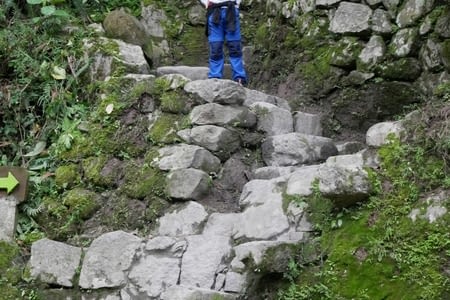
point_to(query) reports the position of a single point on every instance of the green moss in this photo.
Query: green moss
(67, 176)
(81, 202)
(164, 129)
(192, 46)
(9, 275)
(319, 68)
(446, 52)
(171, 102)
(62, 217)
(144, 181)
(7, 253)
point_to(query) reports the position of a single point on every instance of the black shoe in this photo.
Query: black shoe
(241, 81)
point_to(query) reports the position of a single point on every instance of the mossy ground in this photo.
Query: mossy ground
(376, 250)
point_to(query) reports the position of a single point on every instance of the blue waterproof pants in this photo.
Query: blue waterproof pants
(218, 34)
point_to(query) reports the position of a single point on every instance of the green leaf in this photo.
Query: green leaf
(40, 146)
(48, 10)
(34, 2)
(58, 73)
(61, 13)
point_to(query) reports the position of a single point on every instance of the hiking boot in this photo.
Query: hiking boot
(241, 82)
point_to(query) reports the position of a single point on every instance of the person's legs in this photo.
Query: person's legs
(216, 39)
(234, 46)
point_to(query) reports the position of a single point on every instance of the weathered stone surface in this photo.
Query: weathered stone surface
(300, 182)
(345, 52)
(296, 148)
(153, 274)
(325, 3)
(377, 135)
(443, 24)
(196, 15)
(372, 53)
(235, 282)
(159, 243)
(214, 138)
(184, 221)
(404, 69)
(107, 260)
(187, 184)
(253, 96)
(152, 20)
(175, 81)
(428, 81)
(253, 250)
(118, 24)
(272, 120)
(404, 42)
(343, 179)
(307, 123)
(54, 262)
(222, 224)
(357, 78)
(216, 114)
(436, 209)
(427, 25)
(8, 221)
(257, 192)
(381, 22)
(264, 221)
(307, 5)
(185, 156)
(430, 55)
(217, 91)
(351, 18)
(413, 10)
(203, 258)
(391, 6)
(349, 147)
(192, 73)
(133, 58)
(181, 292)
(271, 172)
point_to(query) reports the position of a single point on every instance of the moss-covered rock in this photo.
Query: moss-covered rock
(62, 217)
(80, 202)
(9, 275)
(143, 181)
(92, 167)
(164, 129)
(120, 25)
(67, 176)
(171, 102)
(446, 54)
(405, 69)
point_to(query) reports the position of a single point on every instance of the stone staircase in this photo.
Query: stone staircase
(196, 252)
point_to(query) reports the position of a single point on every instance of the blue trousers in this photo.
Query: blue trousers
(218, 34)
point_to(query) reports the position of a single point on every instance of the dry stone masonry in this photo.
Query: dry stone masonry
(195, 252)
(198, 253)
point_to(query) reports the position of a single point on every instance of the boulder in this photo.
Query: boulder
(378, 134)
(120, 25)
(152, 20)
(217, 91)
(187, 184)
(307, 123)
(217, 139)
(413, 10)
(184, 156)
(372, 54)
(192, 73)
(404, 42)
(272, 120)
(54, 262)
(253, 96)
(381, 22)
(296, 148)
(203, 259)
(183, 221)
(221, 115)
(300, 182)
(107, 260)
(351, 18)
